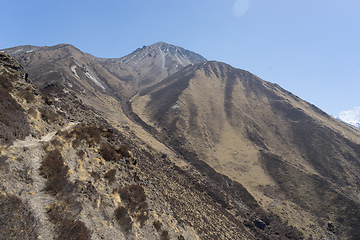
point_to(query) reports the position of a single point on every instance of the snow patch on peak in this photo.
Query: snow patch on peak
(163, 55)
(73, 70)
(93, 77)
(351, 116)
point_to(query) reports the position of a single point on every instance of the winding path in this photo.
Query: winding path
(37, 198)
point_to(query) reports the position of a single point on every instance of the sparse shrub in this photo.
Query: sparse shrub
(110, 175)
(143, 206)
(16, 219)
(32, 112)
(5, 81)
(109, 135)
(293, 233)
(3, 163)
(73, 229)
(94, 133)
(181, 237)
(88, 133)
(56, 143)
(76, 143)
(125, 194)
(66, 226)
(112, 153)
(48, 116)
(134, 195)
(157, 225)
(80, 153)
(13, 121)
(142, 217)
(47, 99)
(95, 175)
(135, 198)
(57, 184)
(53, 164)
(53, 168)
(124, 151)
(164, 235)
(109, 153)
(123, 218)
(27, 94)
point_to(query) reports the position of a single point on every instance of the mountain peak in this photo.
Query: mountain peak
(150, 64)
(351, 117)
(174, 50)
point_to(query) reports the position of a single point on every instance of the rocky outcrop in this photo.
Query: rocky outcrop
(13, 121)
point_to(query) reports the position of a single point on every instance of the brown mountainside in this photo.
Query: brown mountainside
(294, 159)
(103, 84)
(218, 152)
(66, 65)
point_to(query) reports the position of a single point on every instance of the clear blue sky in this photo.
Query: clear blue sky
(309, 47)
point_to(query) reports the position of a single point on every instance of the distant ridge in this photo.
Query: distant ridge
(351, 117)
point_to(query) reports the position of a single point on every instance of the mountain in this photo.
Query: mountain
(104, 84)
(351, 117)
(66, 65)
(80, 179)
(294, 159)
(164, 144)
(150, 64)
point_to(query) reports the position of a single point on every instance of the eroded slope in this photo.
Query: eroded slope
(263, 137)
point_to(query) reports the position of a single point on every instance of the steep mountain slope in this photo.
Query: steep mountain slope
(296, 161)
(218, 152)
(69, 75)
(66, 66)
(13, 123)
(68, 180)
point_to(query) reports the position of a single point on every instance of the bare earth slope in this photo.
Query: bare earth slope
(218, 152)
(293, 158)
(78, 181)
(70, 75)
